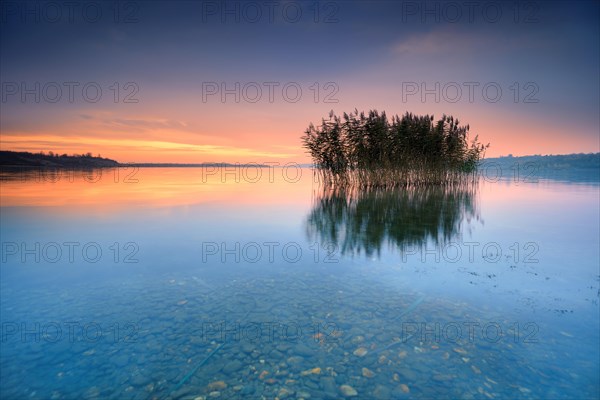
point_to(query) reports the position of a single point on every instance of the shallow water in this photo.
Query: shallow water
(187, 283)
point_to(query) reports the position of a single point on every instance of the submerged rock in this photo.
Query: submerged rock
(367, 373)
(217, 385)
(284, 393)
(348, 391)
(248, 390)
(328, 385)
(263, 374)
(313, 371)
(139, 380)
(358, 339)
(360, 352)
(303, 350)
(295, 360)
(382, 392)
(232, 367)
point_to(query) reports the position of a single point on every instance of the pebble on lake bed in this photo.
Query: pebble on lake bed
(348, 391)
(367, 373)
(313, 371)
(358, 339)
(404, 388)
(360, 352)
(284, 393)
(217, 385)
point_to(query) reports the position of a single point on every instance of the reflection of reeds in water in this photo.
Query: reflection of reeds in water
(358, 220)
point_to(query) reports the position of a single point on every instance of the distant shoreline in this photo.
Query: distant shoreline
(201, 165)
(15, 159)
(148, 165)
(12, 159)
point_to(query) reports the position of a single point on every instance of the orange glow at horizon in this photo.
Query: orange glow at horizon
(271, 137)
(131, 150)
(114, 188)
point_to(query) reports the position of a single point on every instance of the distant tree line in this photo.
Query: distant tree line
(53, 154)
(552, 162)
(52, 160)
(372, 150)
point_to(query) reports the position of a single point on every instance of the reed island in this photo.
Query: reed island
(370, 150)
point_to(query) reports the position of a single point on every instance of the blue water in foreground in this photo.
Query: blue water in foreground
(181, 286)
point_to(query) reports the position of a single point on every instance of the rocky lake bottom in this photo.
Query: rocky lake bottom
(286, 335)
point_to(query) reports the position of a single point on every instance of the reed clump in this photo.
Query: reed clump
(370, 150)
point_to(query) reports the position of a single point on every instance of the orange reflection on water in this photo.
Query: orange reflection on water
(155, 187)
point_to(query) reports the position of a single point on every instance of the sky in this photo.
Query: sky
(240, 81)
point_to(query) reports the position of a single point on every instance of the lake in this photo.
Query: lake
(190, 283)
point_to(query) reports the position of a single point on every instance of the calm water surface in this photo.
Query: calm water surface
(170, 283)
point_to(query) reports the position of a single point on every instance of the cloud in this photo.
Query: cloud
(136, 124)
(453, 41)
(438, 43)
(143, 124)
(17, 141)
